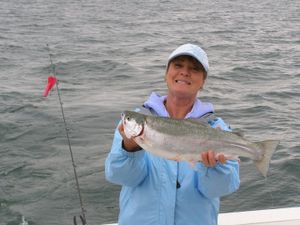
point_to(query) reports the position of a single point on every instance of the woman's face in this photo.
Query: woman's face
(185, 76)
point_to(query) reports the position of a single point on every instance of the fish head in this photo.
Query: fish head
(133, 124)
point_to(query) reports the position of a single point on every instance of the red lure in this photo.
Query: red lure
(51, 82)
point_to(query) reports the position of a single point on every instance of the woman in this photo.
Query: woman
(156, 191)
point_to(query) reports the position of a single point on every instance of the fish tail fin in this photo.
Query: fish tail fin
(268, 147)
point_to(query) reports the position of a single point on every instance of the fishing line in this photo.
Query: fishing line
(82, 217)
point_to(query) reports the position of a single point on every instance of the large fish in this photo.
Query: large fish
(184, 140)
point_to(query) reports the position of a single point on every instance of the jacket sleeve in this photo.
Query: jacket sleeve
(220, 180)
(122, 167)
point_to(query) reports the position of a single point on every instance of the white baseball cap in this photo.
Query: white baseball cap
(191, 50)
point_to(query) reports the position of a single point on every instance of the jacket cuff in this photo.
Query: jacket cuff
(135, 154)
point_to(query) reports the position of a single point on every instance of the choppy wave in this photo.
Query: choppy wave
(109, 56)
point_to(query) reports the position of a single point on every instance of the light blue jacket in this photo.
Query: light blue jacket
(150, 192)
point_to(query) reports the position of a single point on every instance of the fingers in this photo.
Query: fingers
(128, 143)
(122, 132)
(211, 158)
(221, 158)
(121, 128)
(208, 158)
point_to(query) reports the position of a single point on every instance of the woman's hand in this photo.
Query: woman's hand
(211, 158)
(128, 144)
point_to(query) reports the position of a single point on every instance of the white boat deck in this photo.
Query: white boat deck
(281, 216)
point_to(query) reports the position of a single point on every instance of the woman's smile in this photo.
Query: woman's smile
(180, 81)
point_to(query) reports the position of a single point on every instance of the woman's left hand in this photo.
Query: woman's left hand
(211, 158)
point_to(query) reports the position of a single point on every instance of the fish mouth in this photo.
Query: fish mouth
(183, 82)
(131, 129)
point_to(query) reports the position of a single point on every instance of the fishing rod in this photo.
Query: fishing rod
(82, 217)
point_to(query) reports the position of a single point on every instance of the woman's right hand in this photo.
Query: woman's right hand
(128, 143)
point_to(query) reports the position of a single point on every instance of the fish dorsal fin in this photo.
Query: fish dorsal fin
(203, 120)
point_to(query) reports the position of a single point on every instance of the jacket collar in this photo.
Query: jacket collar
(156, 103)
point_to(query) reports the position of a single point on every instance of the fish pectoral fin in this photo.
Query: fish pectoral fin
(238, 132)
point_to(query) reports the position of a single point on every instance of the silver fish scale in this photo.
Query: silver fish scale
(191, 128)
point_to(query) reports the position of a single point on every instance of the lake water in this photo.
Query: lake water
(109, 56)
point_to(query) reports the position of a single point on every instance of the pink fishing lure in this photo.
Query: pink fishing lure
(51, 82)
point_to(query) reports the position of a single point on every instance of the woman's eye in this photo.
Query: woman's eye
(196, 68)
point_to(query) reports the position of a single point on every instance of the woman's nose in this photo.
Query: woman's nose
(185, 71)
